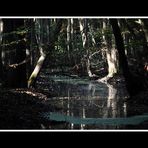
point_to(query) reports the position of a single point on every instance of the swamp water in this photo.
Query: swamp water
(87, 104)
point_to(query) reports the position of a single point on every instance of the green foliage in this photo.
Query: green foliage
(42, 31)
(107, 32)
(19, 31)
(134, 44)
(13, 38)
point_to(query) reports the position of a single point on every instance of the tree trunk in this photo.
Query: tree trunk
(68, 38)
(36, 71)
(91, 30)
(1, 65)
(132, 85)
(42, 39)
(145, 28)
(84, 31)
(112, 62)
(45, 47)
(30, 40)
(144, 24)
(111, 53)
(72, 33)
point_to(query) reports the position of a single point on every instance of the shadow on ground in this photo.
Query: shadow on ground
(21, 108)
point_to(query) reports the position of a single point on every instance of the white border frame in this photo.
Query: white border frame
(65, 17)
(75, 17)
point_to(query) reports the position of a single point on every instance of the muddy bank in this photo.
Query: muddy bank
(21, 108)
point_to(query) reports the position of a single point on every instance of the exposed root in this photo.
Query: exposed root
(105, 79)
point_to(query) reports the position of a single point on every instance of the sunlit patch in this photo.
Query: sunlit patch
(29, 92)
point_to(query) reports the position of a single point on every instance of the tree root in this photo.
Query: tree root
(105, 79)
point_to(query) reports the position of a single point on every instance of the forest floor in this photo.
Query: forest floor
(21, 108)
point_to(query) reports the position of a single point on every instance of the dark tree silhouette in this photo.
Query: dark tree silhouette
(15, 76)
(133, 84)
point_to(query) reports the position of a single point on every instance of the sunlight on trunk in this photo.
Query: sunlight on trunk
(36, 70)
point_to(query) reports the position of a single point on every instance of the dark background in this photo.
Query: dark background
(73, 8)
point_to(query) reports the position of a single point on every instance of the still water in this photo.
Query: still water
(87, 104)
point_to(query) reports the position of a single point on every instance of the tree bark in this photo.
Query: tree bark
(84, 31)
(45, 47)
(42, 37)
(145, 28)
(1, 65)
(68, 38)
(111, 53)
(131, 84)
(36, 71)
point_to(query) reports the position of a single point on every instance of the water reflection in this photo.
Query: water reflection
(87, 99)
(116, 106)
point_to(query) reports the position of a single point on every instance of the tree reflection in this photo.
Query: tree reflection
(94, 106)
(83, 116)
(91, 100)
(116, 106)
(111, 107)
(91, 89)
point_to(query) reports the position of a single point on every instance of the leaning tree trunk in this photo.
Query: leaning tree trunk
(36, 71)
(40, 35)
(44, 47)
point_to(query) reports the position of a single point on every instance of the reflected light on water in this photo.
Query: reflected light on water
(87, 99)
